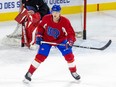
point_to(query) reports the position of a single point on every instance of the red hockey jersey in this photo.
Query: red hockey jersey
(56, 32)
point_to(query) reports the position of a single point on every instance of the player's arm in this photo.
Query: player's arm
(42, 26)
(70, 31)
(70, 34)
(39, 35)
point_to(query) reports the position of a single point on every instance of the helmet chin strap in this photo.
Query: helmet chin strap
(56, 20)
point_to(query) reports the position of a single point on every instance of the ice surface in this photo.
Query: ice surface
(96, 68)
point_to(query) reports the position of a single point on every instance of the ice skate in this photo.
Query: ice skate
(27, 78)
(75, 75)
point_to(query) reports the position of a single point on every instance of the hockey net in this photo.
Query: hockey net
(14, 38)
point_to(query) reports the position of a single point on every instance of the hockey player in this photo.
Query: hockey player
(54, 28)
(32, 12)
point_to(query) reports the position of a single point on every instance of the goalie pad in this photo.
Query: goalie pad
(29, 29)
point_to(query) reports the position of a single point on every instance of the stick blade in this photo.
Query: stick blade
(107, 45)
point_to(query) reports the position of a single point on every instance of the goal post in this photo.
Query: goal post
(84, 20)
(79, 19)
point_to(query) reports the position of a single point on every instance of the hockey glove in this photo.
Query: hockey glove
(39, 39)
(69, 44)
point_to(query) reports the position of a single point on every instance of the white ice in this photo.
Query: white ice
(96, 68)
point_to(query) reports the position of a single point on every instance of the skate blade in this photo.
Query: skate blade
(26, 81)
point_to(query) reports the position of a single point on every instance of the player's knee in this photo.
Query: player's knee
(40, 58)
(69, 57)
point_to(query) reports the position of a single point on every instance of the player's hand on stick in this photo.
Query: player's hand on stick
(69, 44)
(39, 39)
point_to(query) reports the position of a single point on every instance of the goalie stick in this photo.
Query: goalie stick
(24, 36)
(86, 47)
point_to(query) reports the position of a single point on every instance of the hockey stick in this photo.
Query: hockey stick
(24, 35)
(95, 48)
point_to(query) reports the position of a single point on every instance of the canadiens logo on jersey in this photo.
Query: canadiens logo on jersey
(53, 32)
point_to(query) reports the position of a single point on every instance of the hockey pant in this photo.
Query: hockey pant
(43, 53)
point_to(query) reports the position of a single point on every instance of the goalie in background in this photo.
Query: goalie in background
(54, 28)
(30, 15)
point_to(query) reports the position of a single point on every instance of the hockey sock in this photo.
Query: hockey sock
(72, 69)
(31, 69)
(72, 66)
(71, 62)
(33, 66)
